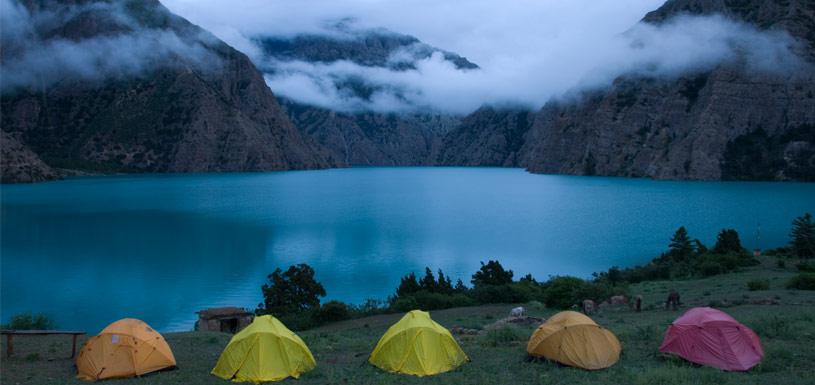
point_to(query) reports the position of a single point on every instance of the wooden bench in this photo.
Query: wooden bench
(11, 333)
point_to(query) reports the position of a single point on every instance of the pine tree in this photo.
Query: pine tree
(460, 288)
(803, 236)
(408, 285)
(681, 247)
(727, 242)
(445, 285)
(429, 281)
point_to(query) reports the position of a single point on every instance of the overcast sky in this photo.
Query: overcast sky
(529, 50)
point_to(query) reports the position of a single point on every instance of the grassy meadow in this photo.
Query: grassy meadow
(784, 319)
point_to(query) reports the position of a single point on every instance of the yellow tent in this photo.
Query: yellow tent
(266, 350)
(574, 339)
(125, 348)
(416, 345)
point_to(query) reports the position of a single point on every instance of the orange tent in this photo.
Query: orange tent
(126, 348)
(573, 339)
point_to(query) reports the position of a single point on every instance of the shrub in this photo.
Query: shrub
(332, 311)
(728, 242)
(802, 281)
(805, 267)
(710, 268)
(758, 284)
(563, 292)
(29, 321)
(514, 293)
(425, 300)
(803, 236)
(781, 263)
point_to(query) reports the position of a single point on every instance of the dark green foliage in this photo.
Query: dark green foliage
(805, 267)
(512, 293)
(680, 246)
(760, 156)
(683, 260)
(802, 281)
(564, 292)
(803, 236)
(758, 284)
(29, 321)
(408, 285)
(492, 274)
(425, 300)
(728, 242)
(291, 292)
(332, 311)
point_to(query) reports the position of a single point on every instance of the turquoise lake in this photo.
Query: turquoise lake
(91, 250)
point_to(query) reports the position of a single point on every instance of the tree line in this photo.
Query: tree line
(294, 295)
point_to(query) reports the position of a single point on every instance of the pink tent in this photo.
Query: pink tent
(710, 337)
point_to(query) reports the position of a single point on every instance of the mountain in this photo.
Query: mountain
(361, 135)
(728, 123)
(176, 100)
(487, 137)
(372, 48)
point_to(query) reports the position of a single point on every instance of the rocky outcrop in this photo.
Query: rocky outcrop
(487, 137)
(176, 115)
(373, 139)
(19, 164)
(727, 123)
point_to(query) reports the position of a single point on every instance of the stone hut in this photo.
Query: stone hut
(224, 319)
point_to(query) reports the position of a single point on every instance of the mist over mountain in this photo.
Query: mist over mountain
(688, 89)
(117, 86)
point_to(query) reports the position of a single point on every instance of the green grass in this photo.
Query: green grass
(498, 356)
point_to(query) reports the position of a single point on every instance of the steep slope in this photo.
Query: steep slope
(373, 139)
(195, 105)
(359, 134)
(20, 164)
(727, 123)
(487, 137)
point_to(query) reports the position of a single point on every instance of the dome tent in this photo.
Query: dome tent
(707, 336)
(266, 350)
(418, 346)
(125, 348)
(574, 339)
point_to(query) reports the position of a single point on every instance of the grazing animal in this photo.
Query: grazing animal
(517, 312)
(673, 301)
(589, 307)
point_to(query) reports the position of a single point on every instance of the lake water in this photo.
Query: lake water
(89, 251)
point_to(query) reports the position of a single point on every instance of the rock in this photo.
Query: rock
(177, 116)
(20, 164)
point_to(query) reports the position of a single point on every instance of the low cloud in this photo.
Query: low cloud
(528, 51)
(31, 57)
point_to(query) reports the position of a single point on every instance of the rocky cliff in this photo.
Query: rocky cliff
(726, 123)
(361, 135)
(187, 102)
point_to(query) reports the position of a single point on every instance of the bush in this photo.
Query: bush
(803, 281)
(29, 321)
(758, 284)
(514, 293)
(332, 311)
(425, 300)
(710, 268)
(805, 267)
(563, 292)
